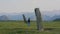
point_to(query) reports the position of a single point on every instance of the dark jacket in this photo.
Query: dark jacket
(28, 20)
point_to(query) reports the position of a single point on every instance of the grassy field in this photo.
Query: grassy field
(19, 27)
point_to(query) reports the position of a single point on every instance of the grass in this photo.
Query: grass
(19, 27)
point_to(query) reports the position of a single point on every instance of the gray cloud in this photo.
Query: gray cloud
(12, 6)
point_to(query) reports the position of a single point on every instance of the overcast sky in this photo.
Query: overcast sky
(18, 6)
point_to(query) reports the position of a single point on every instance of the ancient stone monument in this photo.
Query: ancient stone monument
(26, 21)
(24, 18)
(38, 19)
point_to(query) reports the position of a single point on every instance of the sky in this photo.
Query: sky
(19, 6)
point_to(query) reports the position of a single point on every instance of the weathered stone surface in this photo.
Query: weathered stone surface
(38, 19)
(24, 18)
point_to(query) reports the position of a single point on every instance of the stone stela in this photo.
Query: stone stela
(38, 19)
(24, 18)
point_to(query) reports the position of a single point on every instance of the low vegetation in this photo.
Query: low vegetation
(19, 27)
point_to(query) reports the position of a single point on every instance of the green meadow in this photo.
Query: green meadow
(19, 27)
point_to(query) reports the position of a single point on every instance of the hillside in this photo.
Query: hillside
(4, 17)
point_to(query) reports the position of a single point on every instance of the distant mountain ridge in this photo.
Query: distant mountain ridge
(32, 17)
(4, 17)
(46, 15)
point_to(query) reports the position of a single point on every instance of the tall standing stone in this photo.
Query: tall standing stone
(38, 19)
(24, 18)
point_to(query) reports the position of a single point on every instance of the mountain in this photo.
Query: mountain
(46, 15)
(20, 17)
(56, 17)
(4, 17)
(15, 17)
(27, 15)
(46, 18)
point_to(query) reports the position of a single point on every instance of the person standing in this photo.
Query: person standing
(28, 21)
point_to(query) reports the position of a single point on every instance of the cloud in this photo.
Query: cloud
(18, 6)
